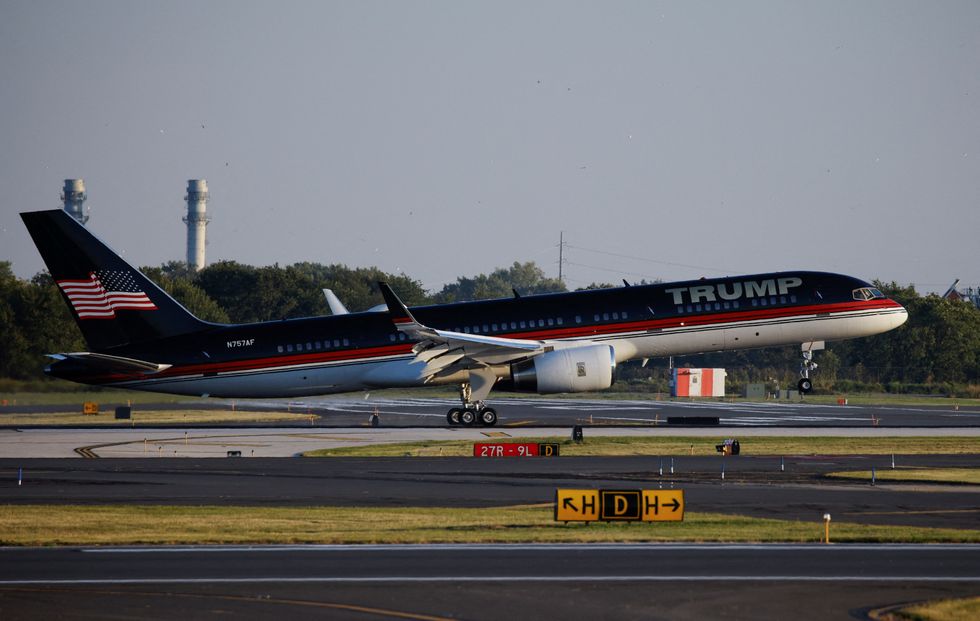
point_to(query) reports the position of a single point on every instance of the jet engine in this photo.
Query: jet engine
(576, 369)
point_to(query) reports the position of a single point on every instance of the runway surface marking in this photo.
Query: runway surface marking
(328, 436)
(739, 414)
(494, 578)
(440, 563)
(924, 512)
(382, 612)
(648, 421)
(592, 408)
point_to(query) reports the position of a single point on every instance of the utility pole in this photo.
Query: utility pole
(561, 257)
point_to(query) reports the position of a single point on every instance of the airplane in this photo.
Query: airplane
(142, 339)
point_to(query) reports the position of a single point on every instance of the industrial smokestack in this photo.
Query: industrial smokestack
(73, 195)
(197, 222)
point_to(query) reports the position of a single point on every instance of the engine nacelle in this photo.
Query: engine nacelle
(577, 369)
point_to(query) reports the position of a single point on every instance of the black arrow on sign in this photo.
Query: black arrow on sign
(567, 502)
(675, 504)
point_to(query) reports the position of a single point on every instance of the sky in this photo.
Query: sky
(667, 140)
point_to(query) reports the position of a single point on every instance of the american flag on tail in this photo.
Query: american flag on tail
(105, 292)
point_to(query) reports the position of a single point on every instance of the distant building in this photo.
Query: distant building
(73, 195)
(197, 222)
(968, 294)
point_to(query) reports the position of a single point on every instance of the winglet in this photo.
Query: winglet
(400, 315)
(336, 306)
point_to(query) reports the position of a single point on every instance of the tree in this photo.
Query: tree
(13, 345)
(35, 322)
(268, 293)
(526, 278)
(234, 287)
(189, 295)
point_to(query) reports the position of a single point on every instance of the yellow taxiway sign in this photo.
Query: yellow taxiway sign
(619, 505)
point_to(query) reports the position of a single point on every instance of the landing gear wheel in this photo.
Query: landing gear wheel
(805, 385)
(467, 417)
(454, 416)
(488, 417)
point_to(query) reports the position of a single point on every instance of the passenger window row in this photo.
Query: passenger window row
(313, 346)
(490, 328)
(697, 308)
(614, 316)
(773, 300)
(735, 304)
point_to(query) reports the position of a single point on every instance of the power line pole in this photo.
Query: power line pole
(561, 259)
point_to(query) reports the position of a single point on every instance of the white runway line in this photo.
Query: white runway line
(493, 578)
(843, 548)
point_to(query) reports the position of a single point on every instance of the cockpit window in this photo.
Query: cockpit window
(867, 293)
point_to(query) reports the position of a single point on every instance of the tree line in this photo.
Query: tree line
(937, 350)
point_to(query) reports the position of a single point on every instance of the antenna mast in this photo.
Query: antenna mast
(561, 257)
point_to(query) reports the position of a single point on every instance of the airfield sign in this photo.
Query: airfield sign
(590, 505)
(663, 505)
(576, 505)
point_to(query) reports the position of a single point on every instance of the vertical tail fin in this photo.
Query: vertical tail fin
(112, 302)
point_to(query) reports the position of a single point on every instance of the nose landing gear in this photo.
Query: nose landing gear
(805, 385)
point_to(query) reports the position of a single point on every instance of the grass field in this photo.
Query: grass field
(43, 525)
(661, 445)
(969, 476)
(77, 398)
(967, 609)
(150, 417)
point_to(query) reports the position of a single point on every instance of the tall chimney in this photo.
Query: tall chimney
(197, 222)
(73, 195)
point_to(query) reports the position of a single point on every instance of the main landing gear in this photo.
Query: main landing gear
(472, 412)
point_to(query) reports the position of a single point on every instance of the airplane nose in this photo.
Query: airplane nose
(900, 316)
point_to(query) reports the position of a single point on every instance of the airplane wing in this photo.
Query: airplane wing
(444, 349)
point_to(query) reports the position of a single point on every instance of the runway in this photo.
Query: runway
(488, 582)
(600, 412)
(755, 486)
(351, 411)
(481, 581)
(214, 441)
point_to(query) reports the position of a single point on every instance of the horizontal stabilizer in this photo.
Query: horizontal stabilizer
(117, 364)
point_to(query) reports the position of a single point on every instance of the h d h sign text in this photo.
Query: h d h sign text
(617, 505)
